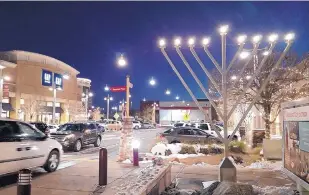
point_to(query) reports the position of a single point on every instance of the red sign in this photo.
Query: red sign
(118, 89)
(6, 90)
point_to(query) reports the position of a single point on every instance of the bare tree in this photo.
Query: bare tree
(289, 82)
(147, 113)
(76, 110)
(32, 106)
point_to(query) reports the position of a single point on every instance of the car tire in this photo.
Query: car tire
(136, 127)
(52, 162)
(175, 142)
(78, 145)
(97, 142)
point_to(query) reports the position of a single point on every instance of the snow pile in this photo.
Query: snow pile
(272, 190)
(202, 164)
(128, 161)
(145, 161)
(174, 148)
(181, 156)
(159, 149)
(276, 166)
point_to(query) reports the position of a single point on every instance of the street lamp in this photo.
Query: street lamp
(167, 92)
(227, 170)
(144, 100)
(106, 88)
(152, 81)
(122, 62)
(177, 97)
(107, 99)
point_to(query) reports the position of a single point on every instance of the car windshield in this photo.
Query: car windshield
(69, 127)
(204, 126)
(169, 131)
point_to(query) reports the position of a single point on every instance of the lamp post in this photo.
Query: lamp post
(227, 169)
(58, 82)
(107, 99)
(87, 95)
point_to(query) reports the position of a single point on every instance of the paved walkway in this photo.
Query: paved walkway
(82, 178)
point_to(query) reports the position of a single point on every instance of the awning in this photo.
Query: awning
(7, 107)
(48, 109)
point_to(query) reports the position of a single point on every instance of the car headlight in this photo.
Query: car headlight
(69, 137)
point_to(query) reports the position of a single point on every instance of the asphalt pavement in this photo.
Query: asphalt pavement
(110, 141)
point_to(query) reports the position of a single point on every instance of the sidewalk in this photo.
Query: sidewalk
(82, 178)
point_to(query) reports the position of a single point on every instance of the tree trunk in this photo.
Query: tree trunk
(267, 108)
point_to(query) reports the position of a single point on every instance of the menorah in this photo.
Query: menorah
(227, 168)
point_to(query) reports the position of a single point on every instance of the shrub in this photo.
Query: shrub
(214, 149)
(256, 150)
(185, 149)
(204, 150)
(237, 146)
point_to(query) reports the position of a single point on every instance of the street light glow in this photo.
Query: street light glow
(111, 98)
(144, 100)
(135, 144)
(223, 29)
(177, 41)
(121, 61)
(205, 41)
(289, 36)
(106, 88)
(162, 43)
(256, 38)
(191, 41)
(241, 39)
(167, 92)
(265, 53)
(234, 77)
(66, 76)
(248, 77)
(177, 97)
(90, 94)
(7, 78)
(244, 55)
(152, 82)
(272, 38)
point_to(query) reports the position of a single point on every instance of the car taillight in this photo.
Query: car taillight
(162, 136)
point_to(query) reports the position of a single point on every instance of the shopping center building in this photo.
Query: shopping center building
(29, 83)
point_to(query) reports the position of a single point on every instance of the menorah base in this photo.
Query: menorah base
(227, 171)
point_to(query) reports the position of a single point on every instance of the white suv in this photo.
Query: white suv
(137, 125)
(23, 146)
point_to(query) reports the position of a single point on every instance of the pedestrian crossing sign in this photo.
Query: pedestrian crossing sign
(186, 117)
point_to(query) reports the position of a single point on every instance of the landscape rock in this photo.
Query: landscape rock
(210, 189)
(231, 188)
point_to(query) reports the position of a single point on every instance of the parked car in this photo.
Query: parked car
(147, 125)
(137, 125)
(187, 134)
(114, 125)
(182, 124)
(208, 128)
(52, 128)
(23, 146)
(41, 126)
(100, 127)
(76, 135)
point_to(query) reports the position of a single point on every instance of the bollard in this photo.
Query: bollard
(24, 182)
(135, 146)
(103, 167)
(135, 157)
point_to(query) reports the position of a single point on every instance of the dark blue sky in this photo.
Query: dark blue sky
(90, 35)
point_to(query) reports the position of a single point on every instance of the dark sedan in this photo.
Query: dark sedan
(188, 135)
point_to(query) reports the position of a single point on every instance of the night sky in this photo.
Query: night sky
(90, 35)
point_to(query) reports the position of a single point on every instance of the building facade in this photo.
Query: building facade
(171, 112)
(28, 98)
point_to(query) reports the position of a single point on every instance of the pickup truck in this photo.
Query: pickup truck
(208, 128)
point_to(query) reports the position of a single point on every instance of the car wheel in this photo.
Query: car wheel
(136, 127)
(78, 145)
(97, 143)
(52, 162)
(175, 142)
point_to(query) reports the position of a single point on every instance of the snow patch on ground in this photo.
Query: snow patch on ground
(181, 156)
(272, 190)
(128, 161)
(175, 148)
(275, 166)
